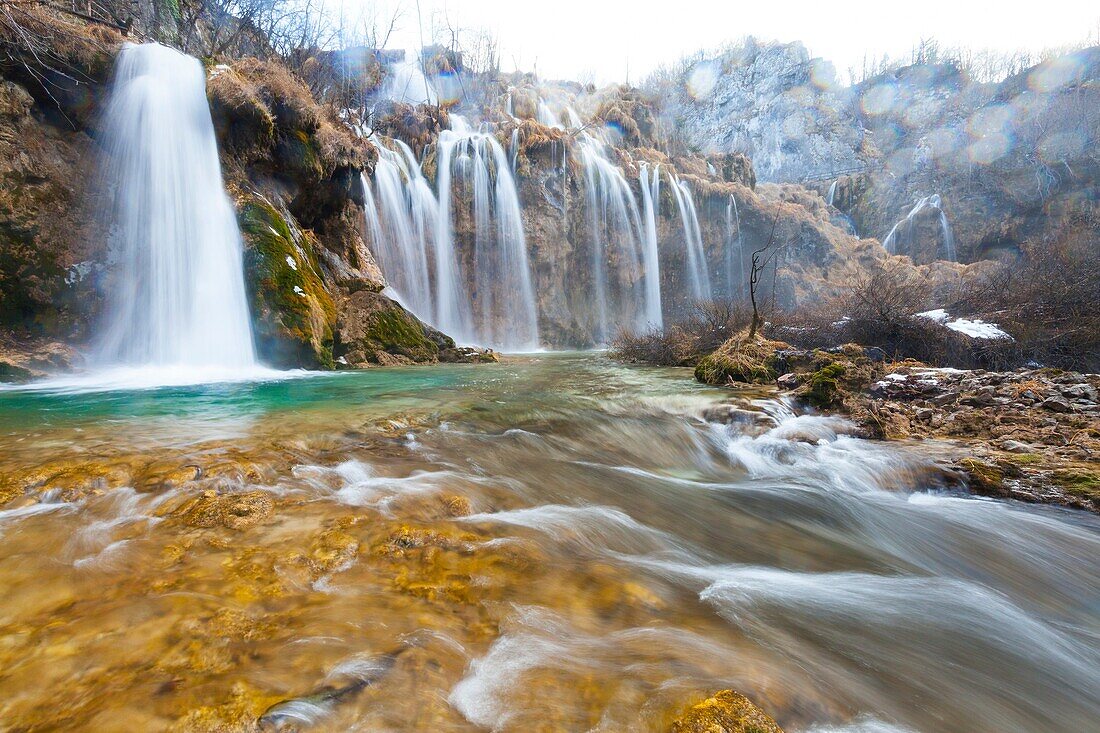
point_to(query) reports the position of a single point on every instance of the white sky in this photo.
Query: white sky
(601, 39)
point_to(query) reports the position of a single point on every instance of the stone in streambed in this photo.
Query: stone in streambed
(726, 712)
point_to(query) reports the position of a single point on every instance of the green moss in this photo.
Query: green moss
(1025, 459)
(288, 295)
(173, 8)
(397, 331)
(299, 152)
(983, 477)
(823, 389)
(1078, 483)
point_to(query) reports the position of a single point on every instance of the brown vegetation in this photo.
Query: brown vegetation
(684, 343)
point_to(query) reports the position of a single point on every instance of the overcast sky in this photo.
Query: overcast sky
(603, 39)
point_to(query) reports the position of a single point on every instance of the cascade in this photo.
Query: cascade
(546, 116)
(180, 299)
(905, 226)
(832, 192)
(407, 83)
(696, 263)
(650, 184)
(735, 256)
(401, 225)
(481, 294)
(616, 237)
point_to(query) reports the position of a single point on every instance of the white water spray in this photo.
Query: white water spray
(401, 225)
(615, 242)
(698, 277)
(179, 302)
(650, 183)
(905, 226)
(480, 292)
(735, 251)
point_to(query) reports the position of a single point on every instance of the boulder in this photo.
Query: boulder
(726, 712)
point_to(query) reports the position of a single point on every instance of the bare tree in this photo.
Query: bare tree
(760, 260)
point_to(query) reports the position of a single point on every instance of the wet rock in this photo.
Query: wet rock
(725, 712)
(457, 506)
(234, 511)
(734, 415)
(788, 381)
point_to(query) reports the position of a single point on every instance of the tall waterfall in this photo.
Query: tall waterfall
(831, 196)
(616, 236)
(905, 226)
(179, 301)
(650, 183)
(401, 224)
(698, 279)
(481, 291)
(734, 251)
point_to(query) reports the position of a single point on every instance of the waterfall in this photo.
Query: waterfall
(735, 259)
(698, 277)
(651, 198)
(546, 116)
(832, 192)
(482, 293)
(179, 301)
(905, 226)
(401, 225)
(406, 82)
(616, 234)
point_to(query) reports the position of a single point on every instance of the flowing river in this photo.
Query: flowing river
(553, 543)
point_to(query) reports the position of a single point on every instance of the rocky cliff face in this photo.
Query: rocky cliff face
(1013, 163)
(815, 256)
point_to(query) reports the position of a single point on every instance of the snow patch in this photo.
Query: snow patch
(973, 327)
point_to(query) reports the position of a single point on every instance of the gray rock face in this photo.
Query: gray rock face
(774, 103)
(1013, 162)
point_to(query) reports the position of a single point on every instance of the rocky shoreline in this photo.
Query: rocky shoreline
(1030, 434)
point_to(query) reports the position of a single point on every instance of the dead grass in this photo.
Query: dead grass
(709, 325)
(741, 359)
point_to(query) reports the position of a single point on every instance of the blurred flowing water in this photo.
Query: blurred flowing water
(553, 543)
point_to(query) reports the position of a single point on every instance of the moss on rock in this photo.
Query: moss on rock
(726, 712)
(823, 389)
(294, 313)
(376, 330)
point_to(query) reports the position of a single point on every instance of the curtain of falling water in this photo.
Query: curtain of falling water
(179, 297)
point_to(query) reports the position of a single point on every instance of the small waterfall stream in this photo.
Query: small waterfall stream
(179, 298)
(401, 224)
(698, 279)
(734, 251)
(904, 227)
(616, 242)
(650, 183)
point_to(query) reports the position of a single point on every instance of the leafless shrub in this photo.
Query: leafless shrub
(1048, 302)
(708, 326)
(880, 310)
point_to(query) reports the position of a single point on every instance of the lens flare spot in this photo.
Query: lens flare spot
(702, 79)
(880, 99)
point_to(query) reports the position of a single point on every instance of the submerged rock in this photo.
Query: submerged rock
(725, 712)
(234, 511)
